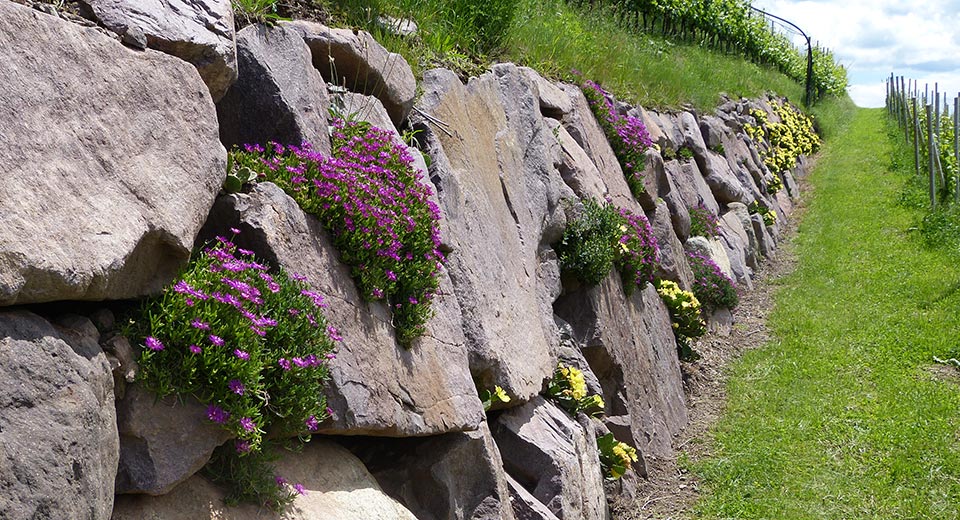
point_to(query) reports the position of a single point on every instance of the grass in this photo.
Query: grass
(555, 37)
(838, 417)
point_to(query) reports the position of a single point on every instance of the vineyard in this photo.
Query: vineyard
(731, 26)
(927, 124)
(472, 31)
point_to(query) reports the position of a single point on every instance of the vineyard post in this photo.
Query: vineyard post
(903, 109)
(916, 138)
(936, 109)
(930, 154)
(956, 147)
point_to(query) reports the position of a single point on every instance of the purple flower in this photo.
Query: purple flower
(216, 340)
(242, 446)
(330, 411)
(241, 354)
(154, 344)
(298, 487)
(217, 414)
(284, 363)
(197, 324)
(280, 480)
(236, 386)
(195, 349)
(312, 423)
(248, 424)
(235, 231)
(334, 333)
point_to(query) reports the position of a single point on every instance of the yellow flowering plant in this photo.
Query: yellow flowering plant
(492, 397)
(568, 388)
(615, 457)
(684, 310)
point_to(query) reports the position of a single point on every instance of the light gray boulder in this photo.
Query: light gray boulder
(525, 505)
(278, 96)
(104, 189)
(554, 102)
(198, 31)
(554, 458)
(355, 60)
(673, 262)
(630, 346)
(162, 442)
(58, 434)
(376, 387)
(713, 249)
(336, 485)
(494, 165)
(576, 168)
(455, 476)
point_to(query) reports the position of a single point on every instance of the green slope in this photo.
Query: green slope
(840, 417)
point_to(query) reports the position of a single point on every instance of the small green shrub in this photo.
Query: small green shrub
(719, 149)
(378, 210)
(251, 345)
(569, 390)
(703, 223)
(615, 457)
(685, 153)
(685, 313)
(712, 288)
(602, 237)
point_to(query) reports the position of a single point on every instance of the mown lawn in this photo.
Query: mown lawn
(840, 416)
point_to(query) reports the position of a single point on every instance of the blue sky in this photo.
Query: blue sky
(872, 38)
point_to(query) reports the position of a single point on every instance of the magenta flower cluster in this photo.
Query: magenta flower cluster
(628, 135)
(639, 252)
(711, 286)
(377, 207)
(223, 333)
(703, 222)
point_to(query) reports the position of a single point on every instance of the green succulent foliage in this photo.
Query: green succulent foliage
(588, 247)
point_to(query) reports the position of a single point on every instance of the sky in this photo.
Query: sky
(916, 39)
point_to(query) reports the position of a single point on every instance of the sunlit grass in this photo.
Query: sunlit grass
(838, 416)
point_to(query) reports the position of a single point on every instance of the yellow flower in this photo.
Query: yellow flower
(501, 394)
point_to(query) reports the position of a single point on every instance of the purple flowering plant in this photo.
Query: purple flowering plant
(627, 134)
(377, 208)
(250, 343)
(703, 223)
(602, 237)
(711, 286)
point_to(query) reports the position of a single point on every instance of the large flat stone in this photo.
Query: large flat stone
(58, 433)
(110, 162)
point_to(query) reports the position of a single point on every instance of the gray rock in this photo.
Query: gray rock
(735, 241)
(126, 369)
(712, 129)
(656, 182)
(569, 354)
(693, 138)
(553, 457)
(713, 249)
(525, 505)
(576, 168)
(790, 181)
(58, 446)
(197, 31)
(114, 212)
(673, 261)
(692, 188)
(554, 102)
(278, 96)
(630, 346)
(336, 485)
(765, 243)
(724, 184)
(398, 26)
(162, 443)
(676, 204)
(376, 386)
(737, 219)
(583, 127)
(456, 476)
(495, 172)
(355, 60)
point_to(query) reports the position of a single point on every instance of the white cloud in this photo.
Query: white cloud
(873, 38)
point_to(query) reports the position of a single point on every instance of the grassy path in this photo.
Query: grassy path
(840, 416)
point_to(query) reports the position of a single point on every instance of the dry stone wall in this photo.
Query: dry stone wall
(111, 168)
